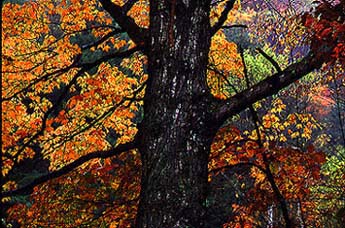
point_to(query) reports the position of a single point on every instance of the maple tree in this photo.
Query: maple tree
(115, 112)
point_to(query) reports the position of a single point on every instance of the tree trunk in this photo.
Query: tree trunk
(176, 132)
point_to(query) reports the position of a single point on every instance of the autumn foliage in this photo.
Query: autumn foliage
(73, 86)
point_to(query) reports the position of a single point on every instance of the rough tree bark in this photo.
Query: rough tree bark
(177, 129)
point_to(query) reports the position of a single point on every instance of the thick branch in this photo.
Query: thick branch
(228, 6)
(68, 168)
(127, 23)
(271, 85)
(128, 5)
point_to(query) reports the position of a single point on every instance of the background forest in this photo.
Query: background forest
(73, 85)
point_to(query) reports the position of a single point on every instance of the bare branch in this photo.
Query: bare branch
(228, 6)
(245, 70)
(269, 58)
(68, 168)
(234, 26)
(271, 85)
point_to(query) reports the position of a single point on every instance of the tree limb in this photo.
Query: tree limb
(269, 58)
(240, 164)
(271, 85)
(122, 54)
(103, 39)
(71, 166)
(268, 172)
(234, 26)
(127, 23)
(128, 5)
(218, 25)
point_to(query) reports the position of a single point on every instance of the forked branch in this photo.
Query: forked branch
(228, 6)
(127, 23)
